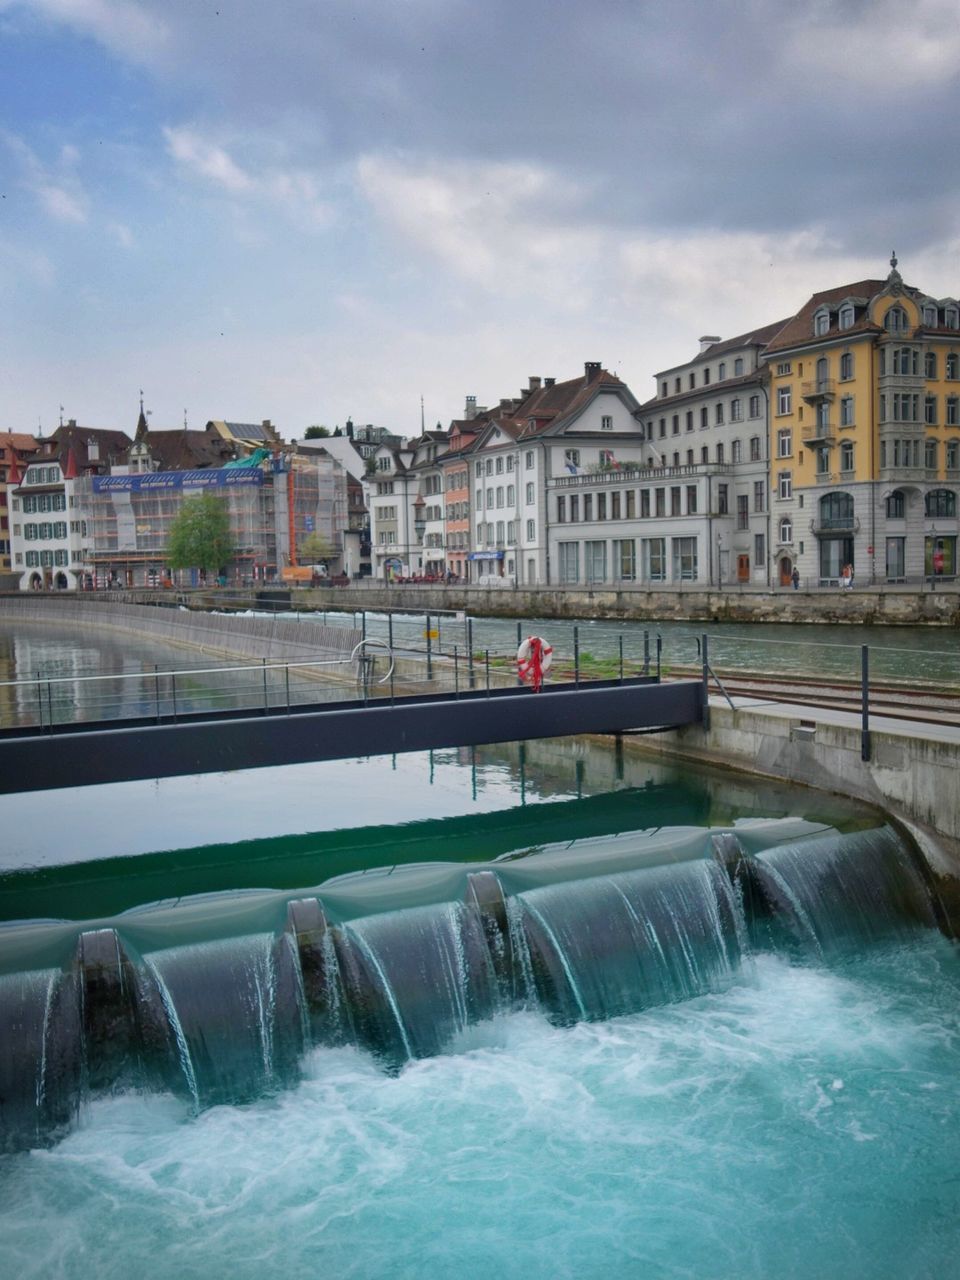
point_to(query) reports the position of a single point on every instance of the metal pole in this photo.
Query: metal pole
(620, 642)
(429, 651)
(264, 662)
(646, 653)
(864, 702)
(50, 704)
(156, 681)
(39, 700)
(659, 651)
(456, 672)
(706, 682)
(390, 628)
(286, 672)
(486, 660)
(173, 692)
(576, 655)
(470, 679)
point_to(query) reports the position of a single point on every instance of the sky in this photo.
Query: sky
(310, 210)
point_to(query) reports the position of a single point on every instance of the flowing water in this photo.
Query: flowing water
(707, 1028)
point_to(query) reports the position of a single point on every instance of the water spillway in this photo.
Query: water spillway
(217, 998)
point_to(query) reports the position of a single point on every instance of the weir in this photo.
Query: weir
(217, 998)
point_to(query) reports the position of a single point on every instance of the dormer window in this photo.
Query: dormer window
(93, 451)
(951, 316)
(896, 320)
(846, 316)
(930, 315)
(821, 322)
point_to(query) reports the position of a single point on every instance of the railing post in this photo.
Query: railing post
(264, 662)
(864, 702)
(646, 653)
(286, 672)
(390, 628)
(173, 692)
(470, 676)
(576, 655)
(39, 700)
(456, 672)
(620, 642)
(706, 682)
(486, 662)
(429, 649)
(156, 682)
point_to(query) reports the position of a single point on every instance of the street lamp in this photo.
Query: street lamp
(719, 563)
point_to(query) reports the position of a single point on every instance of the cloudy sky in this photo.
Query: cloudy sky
(313, 209)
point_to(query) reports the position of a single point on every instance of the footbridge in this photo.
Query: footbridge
(170, 743)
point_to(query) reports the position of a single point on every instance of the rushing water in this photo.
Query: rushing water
(793, 1116)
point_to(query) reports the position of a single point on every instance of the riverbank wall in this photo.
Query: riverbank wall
(867, 606)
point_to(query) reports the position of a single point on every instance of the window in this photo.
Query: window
(736, 410)
(595, 561)
(896, 320)
(561, 510)
(689, 419)
(930, 364)
(571, 460)
(846, 411)
(704, 417)
(601, 506)
(784, 443)
(786, 530)
(490, 498)
(784, 484)
(662, 427)
(822, 456)
(930, 455)
(478, 469)
(500, 538)
(574, 508)
(953, 363)
(706, 377)
(569, 561)
(489, 466)
(704, 454)
(721, 371)
(531, 530)
(953, 455)
(905, 361)
(654, 551)
(836, 511)
(759, 549)
(499, 493)
(644, 504)
(625, 558)
(684, 559)
(509, 462)
(720, 453)
(754, 448)
(953, 411)
(821, 322)
(783, 367)
(693, 381)
(846, 456)
(941, 502)
(759, 490)
(723, 502)
(784, 399)
(754, 406)
(479, 502)
(499, 466)
(743, 511)
(675, 424)
(951, 317)
(528, 460)
(738, 367)
(588, 506)
(846, 316)
(736, 451)
(615, 505)
(606, 422)
(846, 366)
(896, 505)
(632, 504)
(930, 410)
(675, 500)
(690, 462)
(660, 502)
(511, 495)
(718, 415)
(691, 499)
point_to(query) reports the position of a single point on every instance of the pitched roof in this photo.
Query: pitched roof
(799, 330)
(184, 450)
(755, 337)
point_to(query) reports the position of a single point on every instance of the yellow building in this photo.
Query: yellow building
(865, 435)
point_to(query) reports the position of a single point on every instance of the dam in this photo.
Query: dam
(543, 1009)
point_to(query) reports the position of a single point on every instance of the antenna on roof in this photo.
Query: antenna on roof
(422, 428)
(61, 415)
(141, 399)
(184, 419)
(39, 427)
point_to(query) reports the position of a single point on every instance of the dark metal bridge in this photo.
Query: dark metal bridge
(121, 750)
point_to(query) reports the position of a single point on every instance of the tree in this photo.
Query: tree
(316, 433)
(315, 549)
(200, 536)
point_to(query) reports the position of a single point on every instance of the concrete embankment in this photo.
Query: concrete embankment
(867, 606)
(220, 635)
(912, 771)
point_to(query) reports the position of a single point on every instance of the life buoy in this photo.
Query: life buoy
(534, 660)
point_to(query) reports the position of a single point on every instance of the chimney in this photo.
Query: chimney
(470, 409)
(71, 422)
(534, 383)
(549, 382)
(591, 370)
(707, 341)
(506, 404)
(349, 429)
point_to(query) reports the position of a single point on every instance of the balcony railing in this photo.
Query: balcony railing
(633, 474)
(825, 526)
(819, 389)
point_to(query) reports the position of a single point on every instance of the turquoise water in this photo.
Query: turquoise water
(801, 1124)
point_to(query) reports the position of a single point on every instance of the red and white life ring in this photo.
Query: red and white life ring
(534, 660)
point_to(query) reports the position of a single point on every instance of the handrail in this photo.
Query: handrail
(357, 656)
(31, 681)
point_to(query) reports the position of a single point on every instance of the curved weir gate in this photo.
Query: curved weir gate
(216, 998)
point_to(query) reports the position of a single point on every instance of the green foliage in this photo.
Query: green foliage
(314, 549)
(200, 536)
(316, 433)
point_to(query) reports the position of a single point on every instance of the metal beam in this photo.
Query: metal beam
(77, 756)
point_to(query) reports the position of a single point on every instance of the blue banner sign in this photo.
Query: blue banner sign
(149, 480)
(485, 555)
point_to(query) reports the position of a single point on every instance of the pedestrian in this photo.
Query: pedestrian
(795, 578)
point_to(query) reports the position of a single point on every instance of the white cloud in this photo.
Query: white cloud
(57, 188)
(295, 191)
(125, 27)
(122, 234)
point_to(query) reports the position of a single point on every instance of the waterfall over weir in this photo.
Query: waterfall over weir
(217, 998)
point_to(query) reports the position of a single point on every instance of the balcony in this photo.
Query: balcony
(819, 389)
(812, 433)
(834, 526)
